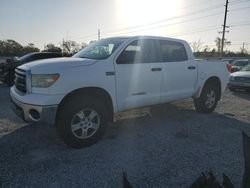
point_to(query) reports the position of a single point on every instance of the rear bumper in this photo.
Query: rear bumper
(33, 113)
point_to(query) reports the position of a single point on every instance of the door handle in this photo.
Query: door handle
(156, 69)
(191, 67)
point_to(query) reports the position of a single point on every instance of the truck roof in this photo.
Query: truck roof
(147, 36)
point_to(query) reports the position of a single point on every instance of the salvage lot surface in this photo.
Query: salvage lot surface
(165, 146)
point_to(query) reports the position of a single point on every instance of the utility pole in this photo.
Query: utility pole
(63, 47)
(243, 47)
(224, 28)
(99, 34)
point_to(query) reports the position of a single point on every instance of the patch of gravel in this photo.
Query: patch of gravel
(163, 146)
(8, 120)
(8, 126)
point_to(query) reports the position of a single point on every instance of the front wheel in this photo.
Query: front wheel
(208, 99)
(81, 121)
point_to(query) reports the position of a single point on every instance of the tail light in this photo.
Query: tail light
(229, 68)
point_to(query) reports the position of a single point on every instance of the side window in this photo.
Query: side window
(172, 51)
(138, 51)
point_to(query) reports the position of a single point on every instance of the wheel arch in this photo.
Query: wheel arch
(211, 80)
(97, 92)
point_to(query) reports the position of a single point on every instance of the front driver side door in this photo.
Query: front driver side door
(138, 75)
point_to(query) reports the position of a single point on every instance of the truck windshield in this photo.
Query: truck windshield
(246, 68)
(101, 49)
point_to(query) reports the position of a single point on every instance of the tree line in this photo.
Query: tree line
(201, 50)
(12, 48)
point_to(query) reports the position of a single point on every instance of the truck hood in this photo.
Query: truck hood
(238, 67)
(56, 64)
(241, 74)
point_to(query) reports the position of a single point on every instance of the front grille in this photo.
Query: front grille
(20, 80)
(242, 79)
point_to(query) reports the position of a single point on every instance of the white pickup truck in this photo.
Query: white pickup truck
(81, 94)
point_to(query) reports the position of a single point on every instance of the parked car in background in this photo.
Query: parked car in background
(240, 79)
(7, 70)
(81, 94)
(238, 64)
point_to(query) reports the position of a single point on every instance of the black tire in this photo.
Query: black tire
(201, 102)
(69, 110)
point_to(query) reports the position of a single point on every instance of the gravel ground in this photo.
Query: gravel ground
(163, 146)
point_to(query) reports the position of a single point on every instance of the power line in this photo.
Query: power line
(194, 31)
(164, 25)
(163, 20)
(134, 29)
(241, 8)
(240, 24)
(157, 22)
(235, 2)
(170, 19)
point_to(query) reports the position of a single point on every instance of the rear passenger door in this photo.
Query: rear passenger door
(179, 73)
(138, 75)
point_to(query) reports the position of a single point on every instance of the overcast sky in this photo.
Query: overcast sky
(46, 21)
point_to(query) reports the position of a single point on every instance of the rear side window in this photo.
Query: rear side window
(172, 51)
(139, 51)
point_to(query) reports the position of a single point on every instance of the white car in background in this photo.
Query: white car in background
(240, 79)
(81, 94)
(238, 64)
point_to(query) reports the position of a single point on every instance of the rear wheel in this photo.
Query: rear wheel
(81, 121)
(208, 99)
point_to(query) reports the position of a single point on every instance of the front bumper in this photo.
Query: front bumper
(34, 113)
(239, 85)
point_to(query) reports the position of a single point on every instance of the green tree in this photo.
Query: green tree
(196, 46)
(30, 48)
(12, 48)
(218, 42)
(52, 48)
(70, 47)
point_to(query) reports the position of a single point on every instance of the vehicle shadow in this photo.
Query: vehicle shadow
(165, 145)
(242, 94)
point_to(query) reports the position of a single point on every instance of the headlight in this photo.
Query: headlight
(44, 80)
(231, 78)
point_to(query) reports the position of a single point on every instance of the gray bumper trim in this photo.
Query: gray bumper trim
(47, 113)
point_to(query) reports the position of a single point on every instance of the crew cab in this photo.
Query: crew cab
(81, 94)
